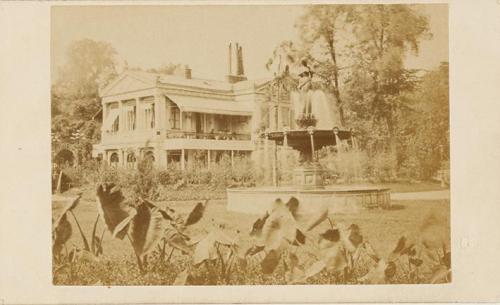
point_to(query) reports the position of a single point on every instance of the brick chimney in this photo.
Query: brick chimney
(240, 73)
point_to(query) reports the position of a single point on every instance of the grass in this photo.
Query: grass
(382, 228)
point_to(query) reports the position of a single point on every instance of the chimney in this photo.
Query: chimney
(187, 72)
(238, 58)
(240, 70)
(230, 60)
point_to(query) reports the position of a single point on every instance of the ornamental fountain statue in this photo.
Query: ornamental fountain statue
(316, 127)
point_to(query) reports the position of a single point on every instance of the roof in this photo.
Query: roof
(149, 79)
(209, 105)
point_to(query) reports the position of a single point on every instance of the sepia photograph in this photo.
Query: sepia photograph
(250, 145)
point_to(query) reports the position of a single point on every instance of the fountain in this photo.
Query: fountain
(317, 127)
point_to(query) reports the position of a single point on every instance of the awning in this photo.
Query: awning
(208, 105)
(110, 119)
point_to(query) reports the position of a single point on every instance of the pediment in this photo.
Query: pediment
(127, 83)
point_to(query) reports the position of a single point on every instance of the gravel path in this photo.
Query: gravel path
(428, 195)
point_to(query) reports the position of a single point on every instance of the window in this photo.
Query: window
(285, 117)
(149, 116)
(114, 159)
(131, 160)
(131, 118)
(175, 115)
(150, 156)
(116, 124)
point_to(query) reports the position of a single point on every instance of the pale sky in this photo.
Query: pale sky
(147, 36)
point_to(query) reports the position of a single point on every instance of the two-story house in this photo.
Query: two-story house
(170, 117)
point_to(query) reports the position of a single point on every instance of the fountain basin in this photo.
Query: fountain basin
(338, 199)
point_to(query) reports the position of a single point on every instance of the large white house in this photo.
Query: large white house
(170, 117)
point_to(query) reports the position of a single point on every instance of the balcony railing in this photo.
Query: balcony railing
(207, 136)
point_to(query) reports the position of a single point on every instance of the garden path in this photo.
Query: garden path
(426, 195)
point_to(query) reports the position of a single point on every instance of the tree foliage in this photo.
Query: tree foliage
(358, 53)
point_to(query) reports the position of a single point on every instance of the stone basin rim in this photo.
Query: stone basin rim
(326, 190)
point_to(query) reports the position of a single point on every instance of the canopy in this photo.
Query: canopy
(208, 105)
(110, 119)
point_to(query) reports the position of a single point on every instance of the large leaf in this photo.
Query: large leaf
(112, 207)
(258, 225)
(294, 273)
(334, 257)
(440, 275)
(61, 234)
(293, 206)
(434, 233)
(178, 241)
(205, 249)
(317, 219)
(314, 269)
(182, 278)
(163, 212)
(73, 203)
(376, 275)
(254, 250)
(196, 214)
(122, 227)
(146, 229)
(280, 226)
(270, 261)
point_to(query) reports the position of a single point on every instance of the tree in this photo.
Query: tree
(378, 80)
(90, 65)
(424, 135)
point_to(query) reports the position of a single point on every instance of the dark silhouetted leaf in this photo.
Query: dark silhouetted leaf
(196, 214)
(416, 261)
(400, 246)
(390, 270)
(112, 207)
(179, 242)
(270, 261)
(300, 238)
(254, 250)
(332, 235)
(61, 234)
(355, 238)
(258, 225)
(146, 229)
(293, 206)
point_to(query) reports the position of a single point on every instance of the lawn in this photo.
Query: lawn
(382, 228)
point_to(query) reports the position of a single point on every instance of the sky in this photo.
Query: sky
(148, 36)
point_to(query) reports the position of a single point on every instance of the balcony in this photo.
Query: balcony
(126, 137)
(209, 141)
(177, 134)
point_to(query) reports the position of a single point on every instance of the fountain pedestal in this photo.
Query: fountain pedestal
(308, 176)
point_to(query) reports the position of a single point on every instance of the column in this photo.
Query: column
(183, 160)
(123, 158)
(232, 158)
(209, 158)
(181, 127)
(121, 117)
(310, 130)
(266, 157)
(338, 144)
(139, 124)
